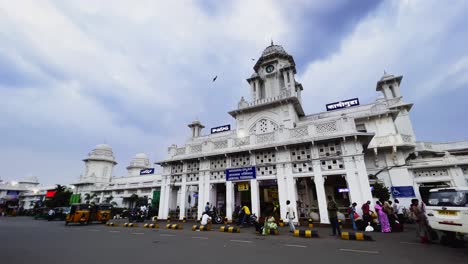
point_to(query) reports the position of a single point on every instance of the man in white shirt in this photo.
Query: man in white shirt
(290, 215)
(205, 219)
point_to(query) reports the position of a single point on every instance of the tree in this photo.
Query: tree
(61, 197)
(381, 192)
(109, 199)
(89, 197)
(133, 198)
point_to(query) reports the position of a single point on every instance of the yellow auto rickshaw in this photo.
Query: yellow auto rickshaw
(80, 213)
(103, 213)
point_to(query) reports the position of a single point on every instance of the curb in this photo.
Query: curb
(281, 223)
(129, 225)
(201, 227)
(355, 236)
(174, 226)
(306, 233)
(230, 229)
(111, 224)
(151, 226)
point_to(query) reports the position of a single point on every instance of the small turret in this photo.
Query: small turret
(389, 85)
(196, 127)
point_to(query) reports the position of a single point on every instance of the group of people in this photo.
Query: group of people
(388, 214)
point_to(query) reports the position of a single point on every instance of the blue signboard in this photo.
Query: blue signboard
(241, 174)
(147, 171)
(220, 129)
(343, 104)
(403, 191)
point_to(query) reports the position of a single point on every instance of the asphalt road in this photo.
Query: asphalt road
(24, 240)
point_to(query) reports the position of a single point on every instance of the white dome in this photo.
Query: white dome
(141, 156)
(103, 147)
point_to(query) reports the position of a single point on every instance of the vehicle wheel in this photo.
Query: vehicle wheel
(218, 219)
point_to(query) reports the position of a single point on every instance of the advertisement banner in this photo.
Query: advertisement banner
(403, 191)
(241, 174)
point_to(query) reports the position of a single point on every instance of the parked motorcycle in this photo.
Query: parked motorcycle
(215, 216)
(136, 216)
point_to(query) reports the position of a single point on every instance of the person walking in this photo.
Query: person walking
(418, 215)
(352, 215)
(366, 216)
(207, 207)
(383, 219)
(399, 213)
(332, 209)
(290, 215)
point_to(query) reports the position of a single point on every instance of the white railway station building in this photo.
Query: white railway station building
(296, 156)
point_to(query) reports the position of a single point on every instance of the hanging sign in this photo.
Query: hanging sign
(343, 104)
(241, 174)
(403, 191)
(243, 186)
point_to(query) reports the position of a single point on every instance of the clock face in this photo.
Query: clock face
(270, 68)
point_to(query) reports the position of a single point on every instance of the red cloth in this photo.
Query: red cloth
(50, 194)
(365, 209)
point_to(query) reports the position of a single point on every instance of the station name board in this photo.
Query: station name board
(241, 174)
(343, 104)
(147, 171)
(219, 129)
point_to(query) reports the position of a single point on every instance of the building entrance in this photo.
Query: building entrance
(337, 187)
(307, 197)
(218, 198)
(269, 202)
(242, 195)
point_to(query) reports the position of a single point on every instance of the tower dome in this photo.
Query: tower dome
(101, 152)
(274, 49)
(139, 161)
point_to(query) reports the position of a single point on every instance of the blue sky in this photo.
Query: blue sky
(74, 74)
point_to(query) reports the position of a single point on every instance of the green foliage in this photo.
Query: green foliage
(381, 192)
(61, 197)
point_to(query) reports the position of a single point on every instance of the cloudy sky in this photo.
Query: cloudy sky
(133, 74)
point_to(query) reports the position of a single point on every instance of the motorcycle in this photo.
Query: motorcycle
(136, 216)
(215, 216)
(250, 221)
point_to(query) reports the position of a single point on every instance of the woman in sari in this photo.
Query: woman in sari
(418, 215)
(383, 219)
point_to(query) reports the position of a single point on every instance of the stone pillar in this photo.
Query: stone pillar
(282, 193)
(320, 189)
(352, 180)
(164, 197)
(291, 191)
(201, 199)
(229, 200)
(363, 180)
(183, 197)
(255, 198)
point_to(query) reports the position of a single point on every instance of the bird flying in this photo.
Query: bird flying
(216, 77)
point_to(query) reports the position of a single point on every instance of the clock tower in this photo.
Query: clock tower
(275, 95)
(274, 75)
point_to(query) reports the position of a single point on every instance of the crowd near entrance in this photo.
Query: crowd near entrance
(337, 187)
(268, 191)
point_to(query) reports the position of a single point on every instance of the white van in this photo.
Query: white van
(447, 212)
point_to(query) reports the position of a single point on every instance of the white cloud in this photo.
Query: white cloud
(127, 73)
(418, 39)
